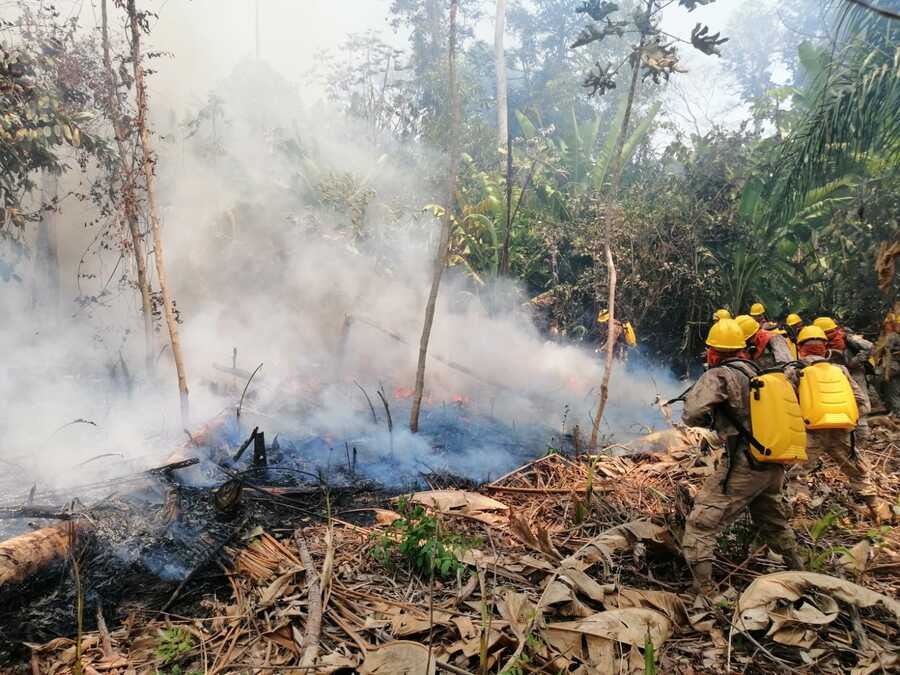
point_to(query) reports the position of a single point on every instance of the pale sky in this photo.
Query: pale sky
(207, 38)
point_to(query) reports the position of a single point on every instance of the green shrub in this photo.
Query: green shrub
(419, 540)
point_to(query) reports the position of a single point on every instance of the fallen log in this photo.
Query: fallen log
(50, 512)
(23, 556)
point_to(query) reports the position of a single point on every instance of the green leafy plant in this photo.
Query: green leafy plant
(877, 535)
(420, 541)
(583, 508)
(817, 555)
(174, 644)
(520, 666)
(822, 525)
(649, 656)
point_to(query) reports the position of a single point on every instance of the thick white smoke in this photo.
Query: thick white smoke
(261, 263)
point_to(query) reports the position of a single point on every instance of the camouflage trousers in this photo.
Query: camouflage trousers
(715, 508)
(836, 444)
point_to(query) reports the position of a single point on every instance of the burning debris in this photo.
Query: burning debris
(564, 562)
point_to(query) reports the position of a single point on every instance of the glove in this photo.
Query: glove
(863, 431)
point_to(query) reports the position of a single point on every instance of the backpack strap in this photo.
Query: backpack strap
(743, 432)
(730, 415)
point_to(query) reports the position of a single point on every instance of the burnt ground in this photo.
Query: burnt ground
(159, 548)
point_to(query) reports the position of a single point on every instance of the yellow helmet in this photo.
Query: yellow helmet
(826, 323)
(793, 319)
(726, 334)
(603, 316)
(721, 314)
(811, 333)
(757, 309)
(748, 325)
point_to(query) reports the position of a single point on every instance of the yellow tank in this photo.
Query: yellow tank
(630, 335)
(776, 421)
(826, 398)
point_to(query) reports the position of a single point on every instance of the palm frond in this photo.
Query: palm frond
(856, 114)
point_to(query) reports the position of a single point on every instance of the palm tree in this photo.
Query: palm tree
(854, 113)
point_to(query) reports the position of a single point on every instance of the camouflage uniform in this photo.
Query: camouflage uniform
(854, 358)
(887, 370)
(836, 443)
(757, 488)
(776, 353)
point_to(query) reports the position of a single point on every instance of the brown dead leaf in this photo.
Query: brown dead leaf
(795, 637)
(465, 626)
(518, 610)
(767, 590)
(471, 504)
(283, 636)
(584, 583)
(385, 516)
(878, 663)
(662, 601)
(276, 589)
(335, 661)
(537, 539)
(404, 623)
(661, 442)
(400, 657)
(470, 646)
(629, 626)
(557, 592)
(619, 538)
(857, 559)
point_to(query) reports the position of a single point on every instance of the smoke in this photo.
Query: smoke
(281, 220)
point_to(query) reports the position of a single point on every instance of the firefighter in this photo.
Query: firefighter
(736, 484)
(793, 324)
(887, 362)
(758, 312)
(851, 351)
(836, 443)
(766, 348)
(625, 335)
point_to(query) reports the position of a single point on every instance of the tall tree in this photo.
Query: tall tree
(659, 60)
(115, 111)
(440, 255)
(500, 64)
(137, 22)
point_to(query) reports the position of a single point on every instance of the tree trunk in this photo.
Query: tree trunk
(612, 335)
(114, 109)
(440, 256)
(507, 229)
(45, 290)
(24, 556)
(500, 64)
(503, 135)
(148, 165)
(629, 105)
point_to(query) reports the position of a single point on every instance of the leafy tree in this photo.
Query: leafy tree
(45, 108)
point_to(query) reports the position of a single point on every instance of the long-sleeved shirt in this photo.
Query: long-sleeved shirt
(775, 353)
(858, 351)
(718, 386)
